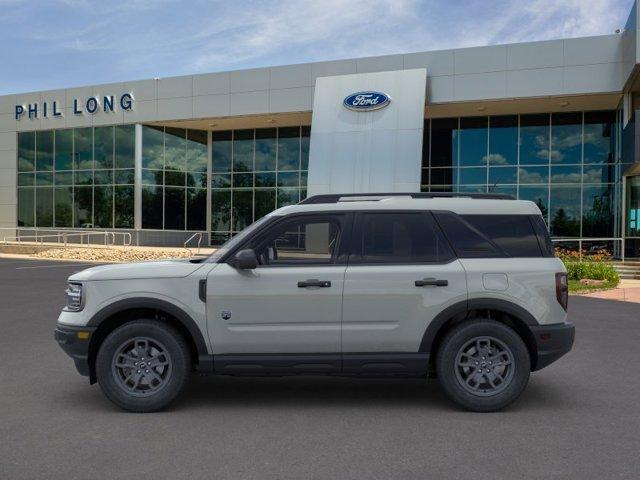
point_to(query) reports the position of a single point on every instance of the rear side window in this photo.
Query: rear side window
(543, 235)
(467, 241)
(514, 234)
(400, 238)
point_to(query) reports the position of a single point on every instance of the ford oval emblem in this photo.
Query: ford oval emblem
(365, 101)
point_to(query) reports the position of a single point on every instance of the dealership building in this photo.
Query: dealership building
(550, 121)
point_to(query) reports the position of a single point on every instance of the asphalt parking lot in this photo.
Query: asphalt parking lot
(579, 418)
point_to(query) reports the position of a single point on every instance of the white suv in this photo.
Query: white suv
(462, 287)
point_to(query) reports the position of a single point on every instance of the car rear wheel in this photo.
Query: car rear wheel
(143, 365)
(483, 365)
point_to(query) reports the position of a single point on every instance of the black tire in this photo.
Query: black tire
(457, 368)
(134, 390)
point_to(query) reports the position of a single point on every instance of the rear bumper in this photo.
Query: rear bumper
(552, 342)
(74, 345)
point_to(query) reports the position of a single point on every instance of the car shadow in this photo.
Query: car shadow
(306, 392)
(312, 391)
(331, 392)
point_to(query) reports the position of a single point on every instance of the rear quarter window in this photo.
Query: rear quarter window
(544, 239)
(515, 235)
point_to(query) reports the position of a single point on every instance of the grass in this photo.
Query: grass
(576, 287)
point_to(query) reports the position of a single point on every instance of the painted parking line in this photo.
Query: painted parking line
(56, 266)
(18, 262)
(33, 262)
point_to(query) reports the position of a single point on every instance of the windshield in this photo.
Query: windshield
(235, 241)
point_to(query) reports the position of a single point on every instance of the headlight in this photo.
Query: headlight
(75, 300)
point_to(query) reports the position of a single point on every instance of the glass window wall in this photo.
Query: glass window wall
(174, 178)
(564, 162)
(253, 173)
(84, 177)
(68, 178)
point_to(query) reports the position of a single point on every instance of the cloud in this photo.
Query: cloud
(562, 140)
(522, 21)
(332, 29)
(531, 176)
(494, 159)
(595, 175)
(116, 40)
(567, 177)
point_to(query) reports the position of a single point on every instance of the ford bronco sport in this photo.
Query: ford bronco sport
(465, 288)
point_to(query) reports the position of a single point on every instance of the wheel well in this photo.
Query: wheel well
(519, 326)
(118, 319)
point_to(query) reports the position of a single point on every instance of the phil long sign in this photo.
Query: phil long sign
(91, 105)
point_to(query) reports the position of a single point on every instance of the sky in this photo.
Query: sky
(50, 44)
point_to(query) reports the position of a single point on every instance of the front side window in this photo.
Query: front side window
(307, 241)
(400, 238)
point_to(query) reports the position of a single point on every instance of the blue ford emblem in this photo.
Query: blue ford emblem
(364, 101)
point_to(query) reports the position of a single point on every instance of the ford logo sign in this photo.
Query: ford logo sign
(365, 101)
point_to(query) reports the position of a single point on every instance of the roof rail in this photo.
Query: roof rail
(336, 197)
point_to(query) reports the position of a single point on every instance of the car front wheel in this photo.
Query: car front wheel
(483, 365)
(143, 365)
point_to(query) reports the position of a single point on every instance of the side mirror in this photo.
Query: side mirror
(245, 260)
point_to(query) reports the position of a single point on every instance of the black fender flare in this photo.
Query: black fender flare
(155, 304)
(464, 307)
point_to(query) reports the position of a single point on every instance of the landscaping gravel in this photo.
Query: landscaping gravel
(113, 254)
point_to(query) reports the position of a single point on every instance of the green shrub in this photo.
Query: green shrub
(591, 270)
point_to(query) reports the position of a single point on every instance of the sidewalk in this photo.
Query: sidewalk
(627, 291)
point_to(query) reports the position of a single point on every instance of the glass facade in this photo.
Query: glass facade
(568, 163)
(254, 172)
(84, 177)
(174, 178)
(77, 177)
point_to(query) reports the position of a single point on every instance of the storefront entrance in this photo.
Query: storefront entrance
(632, 216)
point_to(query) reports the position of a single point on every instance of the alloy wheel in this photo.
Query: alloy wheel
(141, 366)
(484, 366)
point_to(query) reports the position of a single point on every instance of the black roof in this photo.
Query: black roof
(335, 197)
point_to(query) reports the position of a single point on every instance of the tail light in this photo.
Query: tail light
(562, 289)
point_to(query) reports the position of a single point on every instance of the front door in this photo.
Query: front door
(291, 303)
(401, 274)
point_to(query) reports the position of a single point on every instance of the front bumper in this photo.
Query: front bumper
(75, 343)
(552, 342)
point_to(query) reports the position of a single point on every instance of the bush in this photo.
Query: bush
(592, 270)
(570, 255)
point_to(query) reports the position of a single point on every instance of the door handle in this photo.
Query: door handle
(314, 283)
(431, 282)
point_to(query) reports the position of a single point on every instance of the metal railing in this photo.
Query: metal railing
(84, 238)
(197, 235)
(617, 252)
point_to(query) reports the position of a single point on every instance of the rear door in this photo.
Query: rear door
(401, 274)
